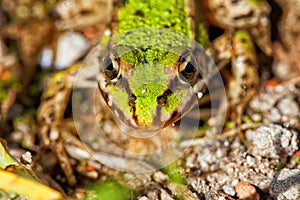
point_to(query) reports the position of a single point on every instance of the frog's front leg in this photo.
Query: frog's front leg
(52, 125)
(243, 79)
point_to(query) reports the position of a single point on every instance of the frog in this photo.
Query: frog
(135, 79)
(242, 25)
(245, 24)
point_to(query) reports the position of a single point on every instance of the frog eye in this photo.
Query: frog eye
(111, 67)
(187, 69)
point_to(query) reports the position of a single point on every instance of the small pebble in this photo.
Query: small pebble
(245, 190)
(199, 95)
(288, 106)
(107, 32)
(71, 46)
(46, 58)
(235, 182)
(250, 160)
(229, 189)
(26, 158)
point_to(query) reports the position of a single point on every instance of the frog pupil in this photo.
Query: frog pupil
(188, 71)
(108, 64)
(110, 71)
(189, 68)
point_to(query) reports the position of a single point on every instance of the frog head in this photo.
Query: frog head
(149, 92)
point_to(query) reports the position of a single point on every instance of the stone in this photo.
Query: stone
(247, 191)
(70, 47)
(286, 185)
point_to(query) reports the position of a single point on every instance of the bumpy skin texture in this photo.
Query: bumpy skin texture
(149, 41)
(170, 14)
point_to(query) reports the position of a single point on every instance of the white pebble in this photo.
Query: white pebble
(27, 157)
(229, 189)
(71, 46)
(107, 32)
(46, 58)
(199, 95)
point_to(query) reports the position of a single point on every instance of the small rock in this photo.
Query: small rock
(286, 185)
(247, 191)
(71, 46)
(264, 144)
(274, 141)
(250, 160)
(288, 106)
(164, 195)
(229, 189)
(26, 158)
(250, 135)
(46, 58)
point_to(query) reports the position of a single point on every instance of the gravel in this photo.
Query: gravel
(274, 141)
(286, 185)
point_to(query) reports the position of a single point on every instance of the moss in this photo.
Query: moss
(245, 41)
(146, 24)
(147, 83)
(174, 100)
(122, 98)
(279, 166)
(154, 14)
(203, 37)
(109, 190)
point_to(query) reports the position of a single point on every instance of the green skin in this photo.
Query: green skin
(148, 54)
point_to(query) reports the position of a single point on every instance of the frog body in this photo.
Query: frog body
(139, 69)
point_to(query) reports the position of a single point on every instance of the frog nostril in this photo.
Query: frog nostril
(132, 100)
(161, 100)
(139, 13)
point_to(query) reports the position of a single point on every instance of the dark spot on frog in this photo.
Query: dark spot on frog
(132, 100)
(139, 13)
(162, 100)
(243, 40)
(128, 33)
(170, 25)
